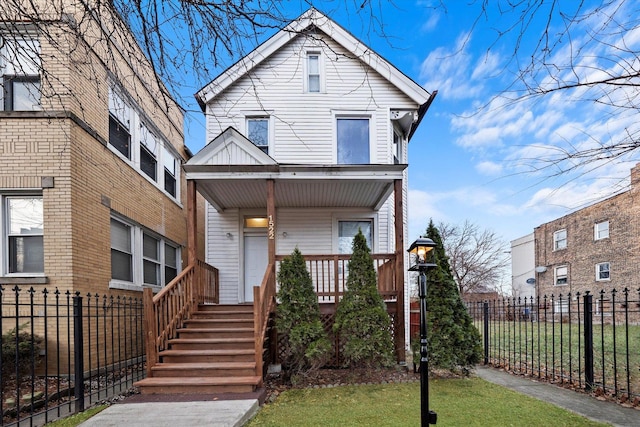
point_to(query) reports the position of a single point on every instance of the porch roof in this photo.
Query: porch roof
(308, 186)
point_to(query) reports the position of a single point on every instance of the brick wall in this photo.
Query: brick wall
(621, 249)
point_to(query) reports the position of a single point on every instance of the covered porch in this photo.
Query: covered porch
(278, 189)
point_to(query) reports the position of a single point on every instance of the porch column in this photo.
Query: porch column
(400, 285)
(271, 216)
(192, 223)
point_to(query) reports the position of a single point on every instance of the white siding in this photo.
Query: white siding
(304, 121)
(224, 252)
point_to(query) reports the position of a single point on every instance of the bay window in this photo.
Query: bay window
(23, 239)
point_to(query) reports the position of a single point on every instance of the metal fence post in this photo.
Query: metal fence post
(78, 356)
(588, 341)
(485, 309)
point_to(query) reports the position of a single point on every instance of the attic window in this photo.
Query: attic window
(313, 72)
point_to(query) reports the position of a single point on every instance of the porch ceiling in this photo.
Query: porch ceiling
(245, 186)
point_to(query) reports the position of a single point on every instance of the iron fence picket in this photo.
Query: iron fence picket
(574, 338)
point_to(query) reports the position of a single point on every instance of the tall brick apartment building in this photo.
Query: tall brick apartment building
(92, 193)
(593, 249)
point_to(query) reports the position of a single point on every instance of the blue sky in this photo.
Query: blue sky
(483, 164)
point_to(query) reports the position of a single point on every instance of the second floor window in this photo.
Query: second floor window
(132, 138)
(258, 132)
(559, 239)
(601, 230)
(23, 217)
(353, 141)
(20, 72)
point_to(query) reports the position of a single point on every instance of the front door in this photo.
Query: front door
(256, 259)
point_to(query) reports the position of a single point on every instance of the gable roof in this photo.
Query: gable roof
(314, 18)
(231, 147)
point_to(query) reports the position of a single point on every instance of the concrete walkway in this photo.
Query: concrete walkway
(579, 403)
(219, 413)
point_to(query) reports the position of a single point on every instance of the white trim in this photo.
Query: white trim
(555, 275)
(354, 114)
(556, 240)
(133, 119)
(314, 51)
(354, 216)
(595, 230)
(137, 255)
(598, 278)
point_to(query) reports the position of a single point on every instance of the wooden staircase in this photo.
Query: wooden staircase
(213, 353)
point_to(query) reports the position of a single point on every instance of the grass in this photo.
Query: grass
(78, 418)
(458, 402)
(557, 349)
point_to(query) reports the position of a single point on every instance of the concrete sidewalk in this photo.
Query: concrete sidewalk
(218, 413)
(579, 403)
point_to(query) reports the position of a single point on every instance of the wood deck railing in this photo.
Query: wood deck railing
(165, 312)
(264, 303)
(329, 274)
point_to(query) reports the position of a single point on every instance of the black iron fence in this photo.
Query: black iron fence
(62, 352)
(578, 340)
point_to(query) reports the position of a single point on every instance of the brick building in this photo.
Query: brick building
(92, 193)
(593, 249)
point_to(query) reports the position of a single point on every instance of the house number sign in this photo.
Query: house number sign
(272, 228)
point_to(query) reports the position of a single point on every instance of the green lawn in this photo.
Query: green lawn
(559, 348)
(458, 402)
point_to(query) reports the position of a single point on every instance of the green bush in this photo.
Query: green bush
(298, 317)
(361, 318)
(453, 341)
(24, 348)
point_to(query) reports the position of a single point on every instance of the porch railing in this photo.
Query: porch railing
(330, 272)
(166, 312)
(264, 302)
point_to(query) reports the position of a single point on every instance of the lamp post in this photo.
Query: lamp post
(420, 249)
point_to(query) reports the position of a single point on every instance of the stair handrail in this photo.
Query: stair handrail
(264, 302)
(166, 312)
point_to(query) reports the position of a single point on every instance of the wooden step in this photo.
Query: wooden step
(218, 323)
(225, 369)
(226, 307)
(215, 333)
(212, 343)
(206, 356)
(223, 315)
(182, 385)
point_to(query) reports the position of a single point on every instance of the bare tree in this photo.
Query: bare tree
(476, 256)
(586, 51)
(186, 43)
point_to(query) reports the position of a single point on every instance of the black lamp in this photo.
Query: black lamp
(421, 252)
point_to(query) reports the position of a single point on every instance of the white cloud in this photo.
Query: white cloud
(489, 168)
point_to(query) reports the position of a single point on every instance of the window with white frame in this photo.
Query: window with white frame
(258, 132)
(561, 306)
(313, 72)
(560, 275)
(141, 146)
(148, 153)
(601, 230)
(140, 257)
(603, 271)
(353, 140)
(171, 170)
(347, 230)
(20, 66)
(560, 240)
(22, 248)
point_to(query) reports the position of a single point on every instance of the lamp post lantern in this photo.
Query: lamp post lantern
(422, 262)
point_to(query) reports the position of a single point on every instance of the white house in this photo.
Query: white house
(522, 267)
(307, 143)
